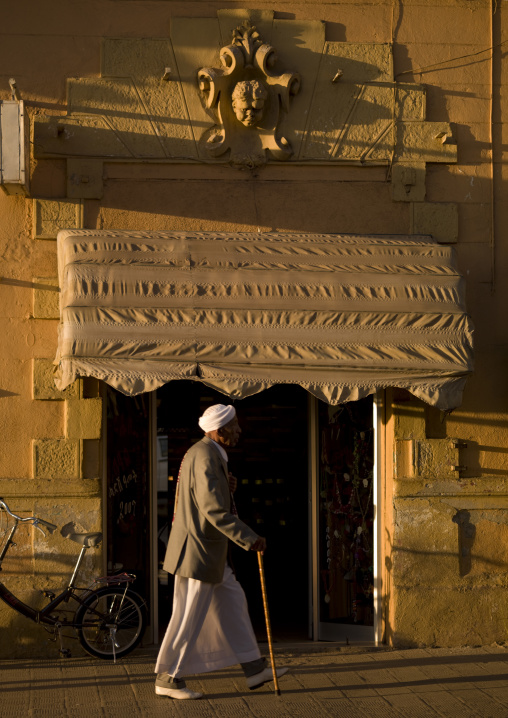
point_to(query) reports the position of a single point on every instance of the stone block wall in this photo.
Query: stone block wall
(50, 439)
(446, 559)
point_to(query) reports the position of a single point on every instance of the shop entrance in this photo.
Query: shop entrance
(306, 482)
(271, 464)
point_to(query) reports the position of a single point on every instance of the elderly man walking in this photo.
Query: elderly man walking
(210, 626)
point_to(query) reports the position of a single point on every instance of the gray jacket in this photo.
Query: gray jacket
(203, 523)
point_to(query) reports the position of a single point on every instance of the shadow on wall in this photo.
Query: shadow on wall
(136, 115)
(480, 422)
(23, 639)
(215, 196)
(58, 139)
(467, 533)
(476, 459)
(479, 460)
(466, 538)
(409, 559)
(244, 201)
(466, 541)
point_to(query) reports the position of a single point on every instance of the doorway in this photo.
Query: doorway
(271, 464)
(306, 481)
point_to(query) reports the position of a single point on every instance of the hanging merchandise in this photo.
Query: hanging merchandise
(346, 512)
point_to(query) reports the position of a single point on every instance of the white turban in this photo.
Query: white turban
(216, 416)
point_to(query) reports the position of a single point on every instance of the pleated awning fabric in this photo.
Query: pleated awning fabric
(340, 315)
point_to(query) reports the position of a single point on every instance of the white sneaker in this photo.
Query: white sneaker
(165, 686)
(259, 679)
(183, 694)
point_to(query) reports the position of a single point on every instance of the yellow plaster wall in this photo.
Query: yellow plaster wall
(434, 594)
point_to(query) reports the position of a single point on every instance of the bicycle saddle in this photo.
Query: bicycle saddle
(88, 540)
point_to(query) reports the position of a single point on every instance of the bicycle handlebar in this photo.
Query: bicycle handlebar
(47, 525)
(36, 522)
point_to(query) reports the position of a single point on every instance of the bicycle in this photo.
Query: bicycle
(110, 619)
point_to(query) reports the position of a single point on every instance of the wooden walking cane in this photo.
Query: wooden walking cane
(267, 619)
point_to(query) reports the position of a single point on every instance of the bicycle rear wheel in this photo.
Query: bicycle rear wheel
(111, 622)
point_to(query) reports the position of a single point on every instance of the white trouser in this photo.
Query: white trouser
(210, 628)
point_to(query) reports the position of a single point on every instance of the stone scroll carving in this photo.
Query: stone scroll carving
(346, 108)
(245, 97)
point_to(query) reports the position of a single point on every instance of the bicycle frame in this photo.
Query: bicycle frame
(91, 614)
(43, 615)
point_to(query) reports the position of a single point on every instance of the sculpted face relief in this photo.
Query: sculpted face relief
(246, 97)
(248, 102)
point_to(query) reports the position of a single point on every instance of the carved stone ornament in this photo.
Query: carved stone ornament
(245, 98)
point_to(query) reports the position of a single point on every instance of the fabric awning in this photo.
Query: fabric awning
(340, 315)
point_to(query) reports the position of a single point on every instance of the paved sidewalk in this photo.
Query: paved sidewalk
(330, 681)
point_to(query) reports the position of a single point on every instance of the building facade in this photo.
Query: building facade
(321, 175)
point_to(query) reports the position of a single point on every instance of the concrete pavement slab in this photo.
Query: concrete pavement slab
(482, 703)
(325, 680)
(412, 706)
(445, 703)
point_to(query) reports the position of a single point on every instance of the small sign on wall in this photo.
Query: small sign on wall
(14, 147)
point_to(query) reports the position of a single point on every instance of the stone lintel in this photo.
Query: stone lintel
(24, 491)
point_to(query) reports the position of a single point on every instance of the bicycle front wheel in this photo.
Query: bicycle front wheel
(111, 622)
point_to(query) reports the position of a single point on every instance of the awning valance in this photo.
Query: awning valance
(340, 315)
